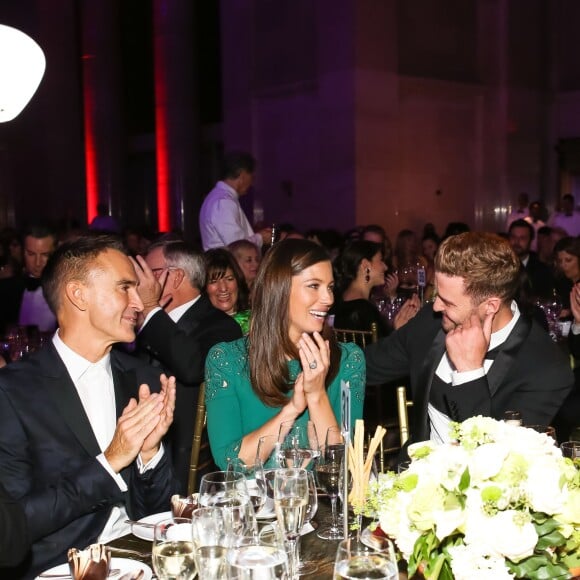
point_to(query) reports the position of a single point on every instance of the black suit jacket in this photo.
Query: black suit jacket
(530, 373)
(48, 457)
(541, 279)
(179, 349)
(13, 533)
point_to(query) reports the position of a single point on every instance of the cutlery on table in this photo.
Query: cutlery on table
(140, 524)
(112, 573)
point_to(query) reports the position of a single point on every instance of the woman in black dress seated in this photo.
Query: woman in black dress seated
(358, 268)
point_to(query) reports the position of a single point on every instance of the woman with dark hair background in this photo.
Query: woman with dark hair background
(226, 287)
(286, 368)
(358, 269)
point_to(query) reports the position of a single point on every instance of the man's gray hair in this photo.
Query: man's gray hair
(179, 254)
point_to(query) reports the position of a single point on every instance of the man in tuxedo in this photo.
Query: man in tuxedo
(39, 244)
(81, 425)
(472, 352)
(180, 326)
(539, 277)
(13, 532)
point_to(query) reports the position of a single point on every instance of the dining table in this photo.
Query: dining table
(313, 549)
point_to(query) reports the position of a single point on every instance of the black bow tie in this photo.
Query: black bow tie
(491, 354)
(32, 284)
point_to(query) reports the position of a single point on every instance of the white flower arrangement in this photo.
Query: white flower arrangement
(500, 502)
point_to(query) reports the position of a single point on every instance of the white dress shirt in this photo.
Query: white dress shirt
(174, 314)
(222, 219)
(94, 384)
(439, 421)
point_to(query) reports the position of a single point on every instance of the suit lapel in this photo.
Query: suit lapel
(63, 391)
(507, 354)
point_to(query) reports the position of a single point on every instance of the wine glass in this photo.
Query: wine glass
(571, 449)
(259, 556)
(173, 552)
(208, 527)
(222, 488)
(291, 500)
(308, 567)
(268, 451)
(298, 444)
(328, 475)
(357, 560)
(254, 480)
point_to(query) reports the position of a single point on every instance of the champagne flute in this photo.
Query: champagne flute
(357, 560)
(328, 475)
(291, 501)
(208, 527)
(298, 444)
(222, 488)
(173, 553)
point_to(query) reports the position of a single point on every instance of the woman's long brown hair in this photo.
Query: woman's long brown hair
(269, 341)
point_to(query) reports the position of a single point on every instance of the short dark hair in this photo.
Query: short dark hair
(39, 231)
(523, 224)
(235, 162)
(71, 261)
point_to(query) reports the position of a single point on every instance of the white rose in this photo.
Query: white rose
(510, 539)
(486, 461)
(543, 485)
(470, 563)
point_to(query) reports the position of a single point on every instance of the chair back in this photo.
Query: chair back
(403, 405)
(197, 446)
(360, 337)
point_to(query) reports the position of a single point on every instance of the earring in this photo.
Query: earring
(368, 275)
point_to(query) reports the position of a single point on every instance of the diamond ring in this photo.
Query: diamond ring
(313, 365)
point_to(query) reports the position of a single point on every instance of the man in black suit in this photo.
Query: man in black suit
(473, 353)
(80, 429)
(13, 531)
(178, 336)
(540, 279)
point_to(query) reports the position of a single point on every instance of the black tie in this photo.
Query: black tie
(31, 284)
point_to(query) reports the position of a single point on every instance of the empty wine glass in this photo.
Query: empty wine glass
(299, 445)
(221, 488)
(173, 552)
(291, 500)
(268, 451)
(254, 481)
(328, 475)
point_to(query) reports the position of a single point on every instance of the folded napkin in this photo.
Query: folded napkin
(90, 564)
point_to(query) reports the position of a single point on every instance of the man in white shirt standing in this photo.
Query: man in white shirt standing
(221, 218)
(81, 424)
(568, 218)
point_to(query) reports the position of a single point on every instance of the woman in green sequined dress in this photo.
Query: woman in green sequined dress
(286, 368)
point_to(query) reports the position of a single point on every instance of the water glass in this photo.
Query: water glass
(357, 560)
(173, 553)
(208, 528)
(268, 451)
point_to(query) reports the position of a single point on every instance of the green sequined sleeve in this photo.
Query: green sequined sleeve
(224, 420)
(353, 370)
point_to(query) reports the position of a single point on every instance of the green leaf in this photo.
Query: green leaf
(553, 539)
(465, 480)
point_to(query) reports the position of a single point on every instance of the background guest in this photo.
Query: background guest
(180, 326)
(567, 259)
(248, 256)
(226, 286)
